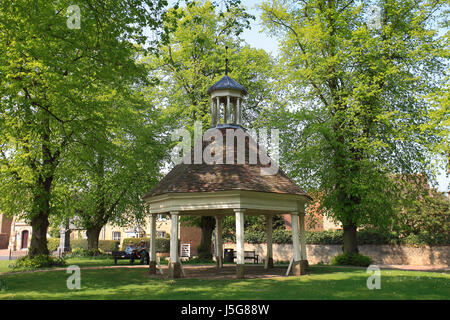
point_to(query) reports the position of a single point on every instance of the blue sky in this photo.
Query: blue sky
(255, 37)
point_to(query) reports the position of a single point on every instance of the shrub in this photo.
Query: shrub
(198, 260)
(162, 244)
(424, 238)
(37, 262)
(77, 252)
(324, 237)
(52, 244)
(356, 259)
(255, 236)
(281, 236)
(367, 236)
(103, 245)
(80, 252)
(108, 245)
(79, 243)
(327, 237)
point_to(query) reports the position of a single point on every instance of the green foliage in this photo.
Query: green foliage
(79, 243)
(162, 244)
(80, 252)
(356, 107)
(423, 218)
(54, 232)
(367, 236)
(108, 245)
(82, 244)
(355, 259)
(198, 260)
(328, 237)
(194, 59)
(3, 286)
(60, 89)
(37, 262)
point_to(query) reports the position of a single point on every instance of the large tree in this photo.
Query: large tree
(109, 170)
(52, 75)
(357, 77)
(194, 59)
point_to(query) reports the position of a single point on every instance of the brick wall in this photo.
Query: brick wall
(5, 231)
(312, 223)
(382, 254)
(192, 235)
(4, 241)
(5, 224)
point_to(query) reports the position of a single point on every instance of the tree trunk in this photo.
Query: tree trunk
(207, 224)
(93, 234)
(41, 200)
(38, 245)
(39, 220)
(350, 239)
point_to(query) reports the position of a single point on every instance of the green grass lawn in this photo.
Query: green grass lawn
(324, 282)
(81, 262)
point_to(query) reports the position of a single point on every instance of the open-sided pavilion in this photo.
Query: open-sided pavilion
(242, 187)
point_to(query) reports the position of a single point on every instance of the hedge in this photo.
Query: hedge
(103, 245)
(356, 259)
(52, 244)
(162, 244)
(365, 236)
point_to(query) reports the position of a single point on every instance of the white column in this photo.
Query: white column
(239, 236)
(295, 239)
(302, 235)
(174, 256)
(219, 244)
(234, 108)
(238, 111)
(269, 254)
(213, 114)
(228, 114)
(153, 237)
(218, 110)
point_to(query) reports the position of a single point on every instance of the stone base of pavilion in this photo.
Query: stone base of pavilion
(228, 271)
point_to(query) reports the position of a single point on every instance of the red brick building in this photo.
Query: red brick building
(5, 231)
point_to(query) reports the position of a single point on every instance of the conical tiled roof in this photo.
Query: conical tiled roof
(226, 83)
(223, 177)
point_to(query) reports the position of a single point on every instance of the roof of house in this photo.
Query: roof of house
(227, 83)
(224, 177)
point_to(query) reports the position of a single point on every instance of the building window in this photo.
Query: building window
(116, 235)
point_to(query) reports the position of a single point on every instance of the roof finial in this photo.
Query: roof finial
(226, 60)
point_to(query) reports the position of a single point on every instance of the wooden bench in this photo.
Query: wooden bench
(251, 255)
(122, 255)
